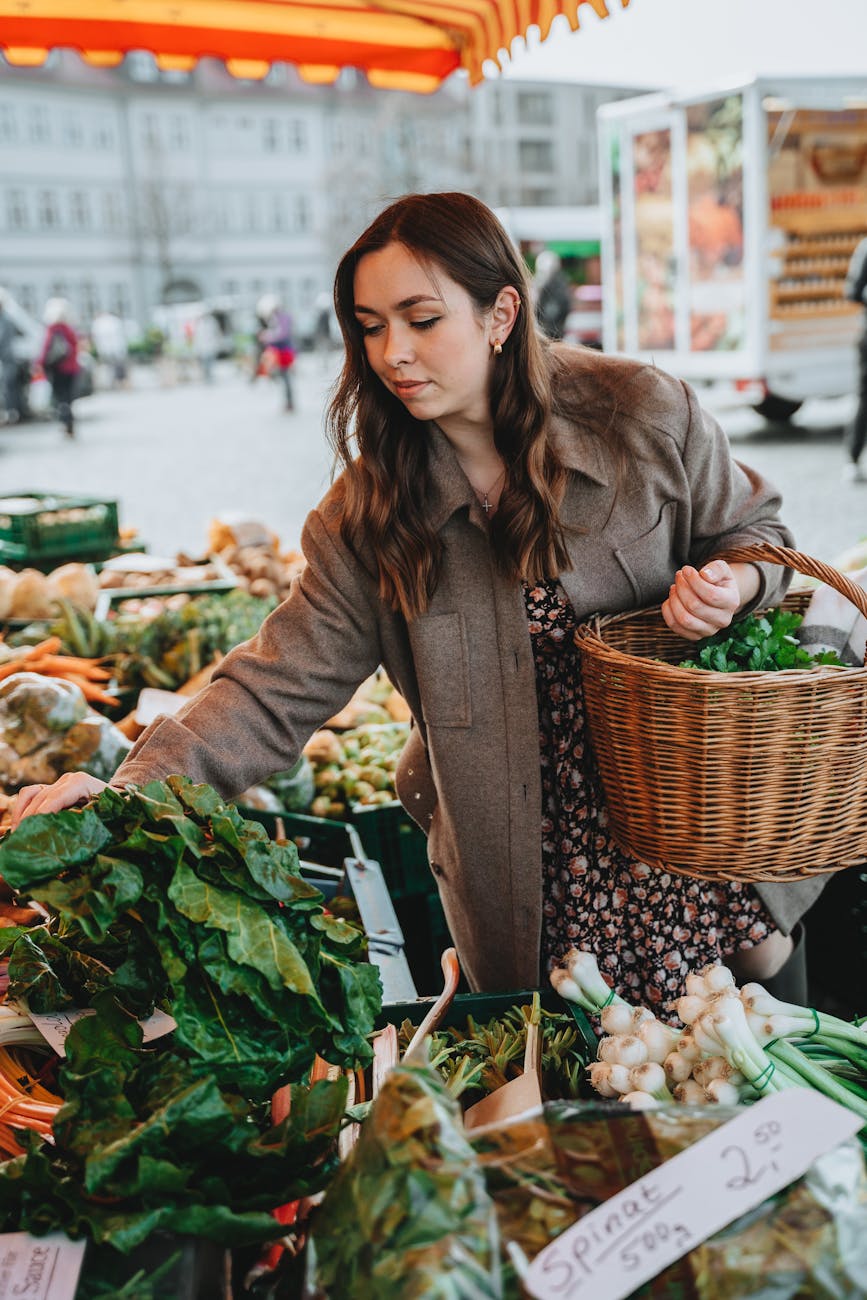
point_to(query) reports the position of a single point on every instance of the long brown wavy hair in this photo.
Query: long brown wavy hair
(382, 448)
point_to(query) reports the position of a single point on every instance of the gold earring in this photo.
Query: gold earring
(497, 347)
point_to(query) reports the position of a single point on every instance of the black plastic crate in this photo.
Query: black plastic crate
(393, 839)
(425, 936)
(318, 839)
(40, 528)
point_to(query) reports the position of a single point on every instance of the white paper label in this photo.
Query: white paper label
(636, 1234)
(39, 1268)
(54, 1026)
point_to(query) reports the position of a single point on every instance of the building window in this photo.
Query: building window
(73, 132)
(48, 212)
(278, 212)
(103, 134)
(536, 155)
(535, 108)
(179, 133)
(151, 131)
(112, 212)
(16, 210)
(79, 206)
(120, 301)
(301, 212)
(8, 125)
(38, 125)
(270, 135)
(252, 221)
(27, 298)
(230, 288)
(89, 300)
(297, 135)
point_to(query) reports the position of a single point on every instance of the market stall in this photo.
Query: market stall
(259, 1104)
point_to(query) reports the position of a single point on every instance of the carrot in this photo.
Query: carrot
(50, 646)
(61, 664)
(91, 692)
(16, 666)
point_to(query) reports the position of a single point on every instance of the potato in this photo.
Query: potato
(31, 597)
(8, 578)
(76, 583)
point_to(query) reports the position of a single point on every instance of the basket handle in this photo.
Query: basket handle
(764, 553)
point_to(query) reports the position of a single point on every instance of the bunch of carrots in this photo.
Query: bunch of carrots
(89, 675)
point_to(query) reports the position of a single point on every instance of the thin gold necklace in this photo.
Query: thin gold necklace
(484, 496)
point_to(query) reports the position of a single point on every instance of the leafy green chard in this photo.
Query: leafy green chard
(167, 896)
(164, 896)
(758, 643)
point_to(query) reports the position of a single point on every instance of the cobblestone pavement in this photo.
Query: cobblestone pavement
(175, 456)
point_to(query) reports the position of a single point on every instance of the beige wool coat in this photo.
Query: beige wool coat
(470, 774)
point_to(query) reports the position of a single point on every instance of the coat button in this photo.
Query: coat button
(437, 869)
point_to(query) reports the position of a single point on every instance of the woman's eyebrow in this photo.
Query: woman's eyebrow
(399, 306)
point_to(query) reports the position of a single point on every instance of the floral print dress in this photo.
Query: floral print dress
(646, 927)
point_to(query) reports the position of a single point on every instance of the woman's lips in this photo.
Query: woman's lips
(410, 388)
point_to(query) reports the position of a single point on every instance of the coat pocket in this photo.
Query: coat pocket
(441, 660)
(648, 561)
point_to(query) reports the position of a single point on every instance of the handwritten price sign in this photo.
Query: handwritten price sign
(636, 1234)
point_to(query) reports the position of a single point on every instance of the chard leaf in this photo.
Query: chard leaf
(254, 939)
(47, 843)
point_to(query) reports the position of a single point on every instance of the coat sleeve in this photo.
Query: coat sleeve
(732, 504)
(270, 694)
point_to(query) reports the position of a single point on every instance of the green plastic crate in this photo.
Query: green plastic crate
(42, 528)
(393, 839)
(486, 1006)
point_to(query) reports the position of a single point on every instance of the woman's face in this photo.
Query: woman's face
(424, 338)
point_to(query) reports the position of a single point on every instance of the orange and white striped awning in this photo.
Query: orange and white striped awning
(400, 44)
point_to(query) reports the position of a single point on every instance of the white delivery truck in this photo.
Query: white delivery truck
(729, 218)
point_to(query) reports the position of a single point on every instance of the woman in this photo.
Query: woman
(59, 360)
(496, 488)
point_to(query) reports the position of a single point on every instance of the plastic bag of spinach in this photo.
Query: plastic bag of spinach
(167, 896)
(423, 1209)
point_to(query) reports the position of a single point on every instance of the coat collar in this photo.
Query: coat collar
(578, 450)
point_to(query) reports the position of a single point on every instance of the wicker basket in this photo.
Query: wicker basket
(728, 776)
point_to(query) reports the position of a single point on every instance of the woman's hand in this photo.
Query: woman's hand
(69, 789)
(702, 602)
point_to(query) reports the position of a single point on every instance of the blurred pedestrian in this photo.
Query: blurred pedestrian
(278, 342)
(324, 321)
(551, 292)
(59, 360)
(10, 411)
(855, 289)
(108, 335)
(206, 343)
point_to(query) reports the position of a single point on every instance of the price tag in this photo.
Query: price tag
(54, 1026)
(40, 1268)
(636, 1234)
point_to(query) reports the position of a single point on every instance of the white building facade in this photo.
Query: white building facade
(123, 189)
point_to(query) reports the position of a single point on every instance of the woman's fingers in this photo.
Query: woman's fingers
(67, 790)
(701, 603)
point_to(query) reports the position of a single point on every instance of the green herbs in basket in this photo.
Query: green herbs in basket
(757, 643)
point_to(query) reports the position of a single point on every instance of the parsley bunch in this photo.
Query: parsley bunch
(758, 643)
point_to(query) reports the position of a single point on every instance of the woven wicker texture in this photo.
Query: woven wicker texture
(728, 776)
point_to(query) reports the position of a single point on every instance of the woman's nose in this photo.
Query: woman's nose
(398, 346)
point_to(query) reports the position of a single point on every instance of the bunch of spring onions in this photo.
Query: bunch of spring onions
(736, 1044)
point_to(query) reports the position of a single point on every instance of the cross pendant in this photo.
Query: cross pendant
(486, 505)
